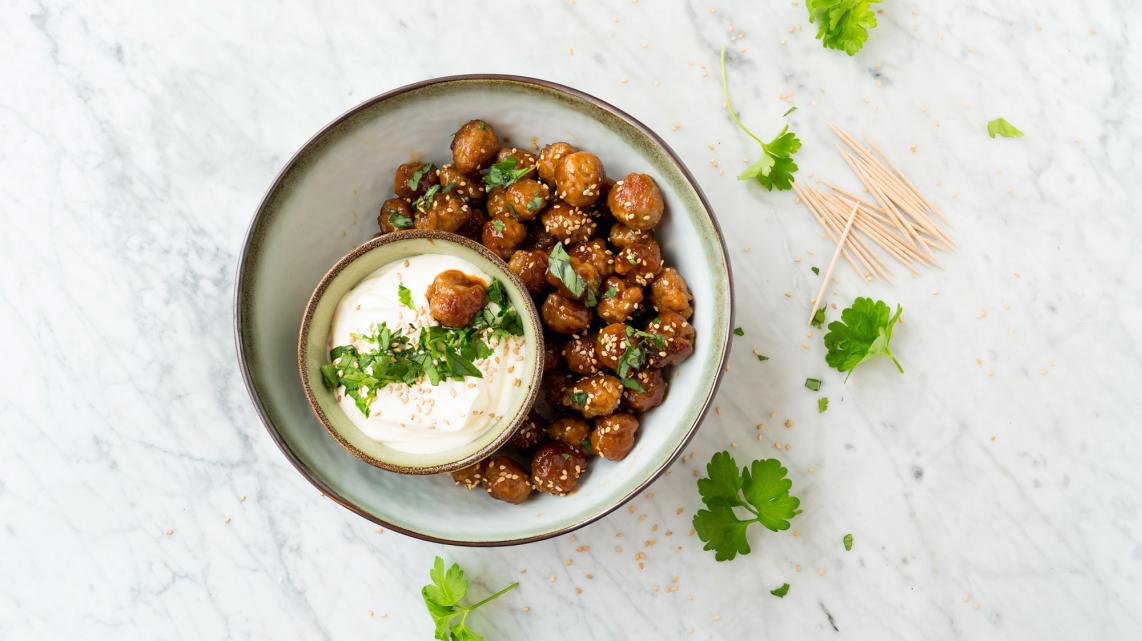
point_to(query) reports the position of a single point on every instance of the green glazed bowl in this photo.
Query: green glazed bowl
(313, 349)
(324, 204)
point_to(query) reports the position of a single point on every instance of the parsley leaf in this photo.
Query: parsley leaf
(611, 292)
(579, 398)
(818, 317)
(414, 181)
(504, 173)
(398, 220)
(442, 599)
(813, 384)
(1003, 128)
(781, 591)
(559, 266)
(405, 296)
(498, 225)
(739, 331)
(822, 404)
(842, 24)
(761, 489)
(863, 333)
(535, 203)
(761, 357)
(422, 203)
(848, 541)
(775, 168)
(816, 270)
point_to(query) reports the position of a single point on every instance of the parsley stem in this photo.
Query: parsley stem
(730, 104)
(494, 596)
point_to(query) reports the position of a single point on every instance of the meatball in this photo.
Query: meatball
(468, 188)
(502, 235)
(653, 390)
(497, 204)
(669, 293)
(595, 252)
(412, 179)
(507, 480)
(610, 344)
(446, 211)
(531, 267)
(527, 197)
(636, 201)
(595, 395)
(570, 430)
(541, 240)
(579, 355)
(454, 297)
(568, 224)
(677, 340)
(470, 477)
(619, 300)
(579, 178)
(586, 271)
(550, 158)
(639, 262)
(565, 315)
(622, 236)
(552, 357)
(523, 157)
(529, 434)
(474, 147)
(395, 215)
(473, 228)
(555, 386)
(613, 436)
(556, 468)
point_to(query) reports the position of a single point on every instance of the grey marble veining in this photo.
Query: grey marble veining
(993, 490)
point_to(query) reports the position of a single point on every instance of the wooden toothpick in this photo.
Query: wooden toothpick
(833, 262)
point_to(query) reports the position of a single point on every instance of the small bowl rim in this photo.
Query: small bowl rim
(249, 249)
(506, 274)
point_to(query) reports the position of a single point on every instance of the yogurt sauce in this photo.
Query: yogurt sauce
(424, 418)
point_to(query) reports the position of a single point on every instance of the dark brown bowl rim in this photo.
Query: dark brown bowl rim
(239, 291)
(532, 318)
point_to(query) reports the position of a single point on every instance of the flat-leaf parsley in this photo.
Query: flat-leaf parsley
(442, 598)
(842, 24)
(863, 333)
(775, 168)
(760, 489)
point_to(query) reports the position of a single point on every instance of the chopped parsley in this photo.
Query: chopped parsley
(559, 266)
(504, 173)
(813, 384)
(413, 183)
(818, 317)
(775, 168)
(398, 220)
(760, 489)
(739, 331)
(816, 270)
(863, 333)
(498, 225)
(761, 357)
(442, 598)
(611, 292)
(1001, 127)
(634, 356)
(579, 398)
(781, 591)
(822, 404)
(405, 296)
(848, 541)
(439, 353)
(535, 203)
(425, 201)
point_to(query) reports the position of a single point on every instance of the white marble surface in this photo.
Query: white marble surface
(997, 498)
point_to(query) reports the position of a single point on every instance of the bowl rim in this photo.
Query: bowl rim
(531, 318)
(275, 185)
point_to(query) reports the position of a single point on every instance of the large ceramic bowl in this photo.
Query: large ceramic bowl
(324, 203)
(313, 350)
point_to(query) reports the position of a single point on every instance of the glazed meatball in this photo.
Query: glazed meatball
(556, 468)
(507, 480)
(618, 300)
(552, 357)
(395, 215)
(529, 434)
(503, 235)
(677, 337)
(652, 394)
(565, 315)
(568, 224)
(412, 179)
(446, 212)
(550, 158)
(468, 188)
(541, 240)
(622, 236)
(640, 262)
(569, 429)
(586, 271)
(523, 157)
(595, 252)
(470, 477)
(497, 204)
(579, 355)
(636, 201)
(610, 344)
(595, 395)
(474, 147)
(579, 178)
(531, 267)
(473, 228)
(555, 386)
(613, 436)
(669, 293)
(454, 298)
(527, 197)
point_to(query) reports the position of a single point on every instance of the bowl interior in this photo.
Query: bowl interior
(325, 202)
(314, 349)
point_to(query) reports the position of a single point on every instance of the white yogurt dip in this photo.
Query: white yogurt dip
(424, 418)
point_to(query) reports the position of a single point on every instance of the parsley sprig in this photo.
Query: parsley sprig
(559, 266)
(635, 354)
(504, 173)
(760, 489)
(439, 353)
(842, 24)
(775, 168)
(442, 598)
(863, 333)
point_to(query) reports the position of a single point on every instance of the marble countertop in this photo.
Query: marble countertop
(993, 489)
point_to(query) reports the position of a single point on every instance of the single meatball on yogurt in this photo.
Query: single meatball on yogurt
(454, 298)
